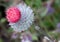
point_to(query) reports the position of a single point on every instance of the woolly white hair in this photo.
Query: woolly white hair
(27, 17)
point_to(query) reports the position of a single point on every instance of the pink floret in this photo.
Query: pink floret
(13, 14)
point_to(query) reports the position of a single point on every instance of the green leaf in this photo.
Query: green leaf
(43, 12)
(34, 37)
(3, 20)
(57, 2)
(10, 30)
(1, 40)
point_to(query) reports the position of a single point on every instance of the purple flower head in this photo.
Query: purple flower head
(25, 41)
(26, 38)
(58, 25)
(14, 35)
(58, 28)
(49, 8)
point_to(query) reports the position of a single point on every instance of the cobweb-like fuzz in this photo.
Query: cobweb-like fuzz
(27, 17)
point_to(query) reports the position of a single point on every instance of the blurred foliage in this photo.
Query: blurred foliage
(1, 40)
(46, 22)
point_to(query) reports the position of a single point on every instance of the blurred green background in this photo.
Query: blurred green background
(47, 21)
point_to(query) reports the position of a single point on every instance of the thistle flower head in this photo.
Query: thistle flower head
(20, 17)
